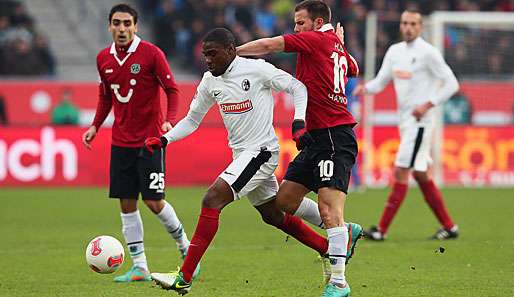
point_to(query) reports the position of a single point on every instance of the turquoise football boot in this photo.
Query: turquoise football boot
(332, 290)
(135, 274)
(354, 234)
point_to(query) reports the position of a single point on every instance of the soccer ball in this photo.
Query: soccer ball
(104, 254)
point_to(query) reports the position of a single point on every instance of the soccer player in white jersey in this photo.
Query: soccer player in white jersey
(242, 89)
(422, 80)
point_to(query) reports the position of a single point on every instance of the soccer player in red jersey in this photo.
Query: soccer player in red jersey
(327, 141)
(131, 72)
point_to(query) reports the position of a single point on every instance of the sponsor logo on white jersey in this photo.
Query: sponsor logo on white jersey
(236, 108)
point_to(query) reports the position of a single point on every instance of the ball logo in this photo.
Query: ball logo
(95, 247)
(115, 261)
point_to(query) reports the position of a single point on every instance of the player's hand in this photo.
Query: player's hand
(359, 90)
(340, 32)
(420, 110)
(166, 126)
(300, 135)
(88, 136)
(153, 143)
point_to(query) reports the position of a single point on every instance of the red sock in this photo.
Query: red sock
(205, 230)
(304, 234)
(435, 200)
(394, 201)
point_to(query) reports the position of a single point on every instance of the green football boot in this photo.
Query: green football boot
(332, 290)
(135, 274)
(172, 281)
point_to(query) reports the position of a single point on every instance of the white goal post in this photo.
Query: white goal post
(436, 28)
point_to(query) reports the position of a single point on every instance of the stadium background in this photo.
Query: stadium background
(47, 61)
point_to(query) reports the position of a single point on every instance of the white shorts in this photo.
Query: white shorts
(251, 174)
(414, 150)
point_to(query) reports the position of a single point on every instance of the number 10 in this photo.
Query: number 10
(339, 72)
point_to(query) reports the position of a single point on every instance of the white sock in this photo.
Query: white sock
(169, 219)
(132, 228)
(309, 211)
(337, 243)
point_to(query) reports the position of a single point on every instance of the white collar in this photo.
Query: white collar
(326, 27)
(414, 42)
(131, 49)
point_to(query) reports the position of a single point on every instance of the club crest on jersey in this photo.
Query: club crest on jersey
(245, 84)
(135, 68)
(236, 108)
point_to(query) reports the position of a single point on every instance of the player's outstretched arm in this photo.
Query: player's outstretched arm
(199, 107)
(261, 46)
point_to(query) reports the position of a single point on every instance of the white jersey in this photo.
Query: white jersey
(417, 69)
(244, 98)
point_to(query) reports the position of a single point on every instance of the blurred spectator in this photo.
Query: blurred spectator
(180, 24)
(23, 51)
(21, 59)
(457, 110)
(65, 113)
(3, 112)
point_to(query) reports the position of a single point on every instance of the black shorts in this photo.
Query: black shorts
(328, 161)
(134, 171)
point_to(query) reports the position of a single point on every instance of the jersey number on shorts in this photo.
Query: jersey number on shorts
(157, 181)
(339, 71)
(326, 168)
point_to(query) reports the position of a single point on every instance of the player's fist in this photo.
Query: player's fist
(153, 143)
(300, 135)
(88, 136)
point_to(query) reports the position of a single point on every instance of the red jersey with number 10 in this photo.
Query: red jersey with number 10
(323, 65)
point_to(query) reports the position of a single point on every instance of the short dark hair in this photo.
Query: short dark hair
(123, 8)
(221, 36)
(315, 9)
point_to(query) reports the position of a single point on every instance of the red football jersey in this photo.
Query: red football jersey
(323, 66)
(129, 80)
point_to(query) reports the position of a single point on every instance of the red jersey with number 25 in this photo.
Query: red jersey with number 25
(130, 81)
(323, 65)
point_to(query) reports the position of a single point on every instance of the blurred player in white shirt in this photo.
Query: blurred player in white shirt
(242, 89)
(422, 80)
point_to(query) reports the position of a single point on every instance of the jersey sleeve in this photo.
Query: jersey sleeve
(200, 105)
(384, 75)
(104, 104)
(279, 80)
(168, 84)
(353, 67)
(303, 42)
(273, 77)
(442, 71)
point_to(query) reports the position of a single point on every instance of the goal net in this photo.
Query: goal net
(474, 140)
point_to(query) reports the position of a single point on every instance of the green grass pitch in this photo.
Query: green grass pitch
(44, 232)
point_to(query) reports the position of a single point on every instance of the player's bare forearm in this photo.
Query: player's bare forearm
(261, 46)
